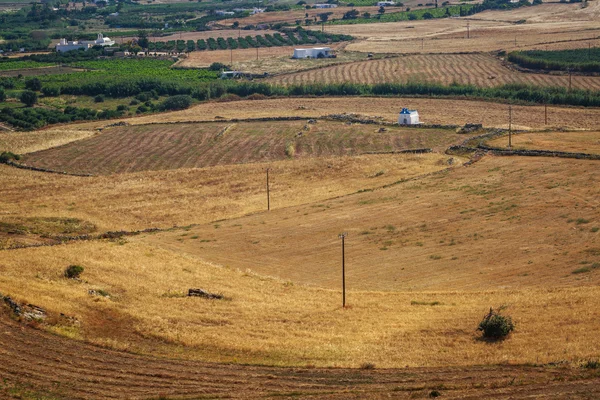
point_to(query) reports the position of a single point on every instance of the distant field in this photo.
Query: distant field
(477, 69)
(549, 26)
(431, 111)
(159, 147)
(578, 142)
(502, 223)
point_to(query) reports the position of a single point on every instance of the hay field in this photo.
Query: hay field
(549, 26)
(28, 142)
(264, 59)
(171, 146)
(477, 69)
(187, 196)
(502, 223)
(269, 321)
(577, 142)
(431, 111)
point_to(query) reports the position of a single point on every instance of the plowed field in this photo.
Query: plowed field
(34, 364)
(477, 69)
(160, 147)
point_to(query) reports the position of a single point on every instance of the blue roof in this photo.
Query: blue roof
(407, 111)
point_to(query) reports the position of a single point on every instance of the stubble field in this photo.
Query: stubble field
(431, 111)
(172, 146)
(575, 142)
(482, 70)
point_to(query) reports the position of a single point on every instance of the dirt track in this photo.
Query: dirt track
(33, 362)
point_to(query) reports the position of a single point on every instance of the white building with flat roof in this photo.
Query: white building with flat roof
(315, 52)
(65, 45)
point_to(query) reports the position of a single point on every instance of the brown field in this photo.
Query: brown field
(550, 26)
(161, 147)
(577, 142)
(187, 196)
(477, 69)
(471, 224)
(462, 230)
(127, 375)
(431, 111)
(270, 59)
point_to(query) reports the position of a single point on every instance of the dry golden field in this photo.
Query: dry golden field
(187, 196)
(431, 111)
(172, 146)
(502, 223)
(27, 142)
(269, 321)
(549, 26)
(477, 69)
(264, 59)
(577, 142)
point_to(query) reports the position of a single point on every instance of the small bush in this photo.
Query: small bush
(177, 102)
(99, 99)
(496, 326)
(367, 366)
(591, 364)
(73, 271)
(7, 156)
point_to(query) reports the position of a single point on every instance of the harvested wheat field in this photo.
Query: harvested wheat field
(432, 111)
(27, 142)
(132, 296)
(127, 375)
(462, 229)
(186, 196)
(170, 146)
(482, 70)
(575, 142)
(550, 26)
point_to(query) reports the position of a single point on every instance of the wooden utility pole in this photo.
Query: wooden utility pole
(343, 237)
(468, 31)
(268, 194)
(422, 43)
(257, 53)
(509, 127)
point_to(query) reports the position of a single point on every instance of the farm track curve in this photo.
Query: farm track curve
(32, 360)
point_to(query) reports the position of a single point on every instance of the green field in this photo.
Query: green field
(581, 60)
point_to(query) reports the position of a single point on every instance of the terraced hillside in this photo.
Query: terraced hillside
(476, 69)
(171, 146)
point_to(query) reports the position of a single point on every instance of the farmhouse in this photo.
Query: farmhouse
(385, 3)
(315, 52)
(325, 5)
(408, 117)
(64, 45)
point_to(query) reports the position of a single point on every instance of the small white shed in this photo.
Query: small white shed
(315, 52)
(408, 117)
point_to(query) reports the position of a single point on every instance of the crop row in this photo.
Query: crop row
(580, 60)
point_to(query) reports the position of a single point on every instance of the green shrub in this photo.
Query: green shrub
(178, 102)
(496, 326)
(7, 156)
(73, 271)
(99, 99)
(29, 98)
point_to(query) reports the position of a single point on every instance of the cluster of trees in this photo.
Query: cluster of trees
(579, 60)
(299, 36)
(34, 118)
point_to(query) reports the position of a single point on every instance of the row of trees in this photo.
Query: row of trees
(181, 96)
(580, 60)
